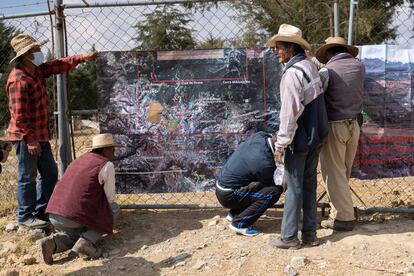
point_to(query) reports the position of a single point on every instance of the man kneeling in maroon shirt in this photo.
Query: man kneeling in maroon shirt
(82, 206)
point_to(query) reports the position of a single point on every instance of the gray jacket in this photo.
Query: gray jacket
(343, 79)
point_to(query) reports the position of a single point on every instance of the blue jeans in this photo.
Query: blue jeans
(33, 200)
(301, 182)
(69, 231)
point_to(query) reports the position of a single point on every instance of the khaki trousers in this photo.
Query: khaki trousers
(337, 155)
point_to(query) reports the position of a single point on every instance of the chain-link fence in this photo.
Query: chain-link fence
(212, 24)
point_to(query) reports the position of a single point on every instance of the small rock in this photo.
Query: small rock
(105, 255)
(216, 217)
(244, 254)
(202, 246)
(220, 227)
(37, 234)
(121, 268)
(199, 264)
(11, 272)
(352, 253)
(144, 247)
(181, 257)
(8, 247)
(322, 264)
(363, 247)
(11, 227)
(410, 267)
(28, 259)
(298, 261)
(180, 264)
(21, 230)
(328, 243)
(290, 270)
(114, 251)
(213, 222)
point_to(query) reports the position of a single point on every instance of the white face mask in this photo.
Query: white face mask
(38, 58)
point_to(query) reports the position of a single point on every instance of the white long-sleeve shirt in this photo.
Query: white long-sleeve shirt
(106, 178)
(295, 93)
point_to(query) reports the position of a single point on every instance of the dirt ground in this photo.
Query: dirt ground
(198, 242)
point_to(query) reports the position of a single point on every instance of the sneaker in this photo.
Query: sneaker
(286, 244)
(250, 231)
(229, 217)
(47, 247)
(338, 225)
(86, 248)
(33, 223)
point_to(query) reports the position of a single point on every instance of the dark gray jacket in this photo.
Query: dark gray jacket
(252, 161)
(343, 95)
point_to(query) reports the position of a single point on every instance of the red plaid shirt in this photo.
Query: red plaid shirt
(27, 95)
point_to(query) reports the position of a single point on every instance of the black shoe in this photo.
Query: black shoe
(310, 241)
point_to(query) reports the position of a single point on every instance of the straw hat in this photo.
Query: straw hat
(332, 42)
(22, 43)
(288, 33)
(103, 140)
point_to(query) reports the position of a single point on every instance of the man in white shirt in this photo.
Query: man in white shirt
(82, 206)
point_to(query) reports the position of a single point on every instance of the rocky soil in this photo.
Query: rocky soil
(198, 242)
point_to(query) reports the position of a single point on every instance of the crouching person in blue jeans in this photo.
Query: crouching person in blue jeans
(82, 206)
(245, 184)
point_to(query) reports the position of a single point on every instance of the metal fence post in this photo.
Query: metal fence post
(336, 18)
(351, 20)
(62, 99)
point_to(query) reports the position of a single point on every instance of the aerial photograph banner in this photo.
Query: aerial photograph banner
(386, 143)
(178, 115)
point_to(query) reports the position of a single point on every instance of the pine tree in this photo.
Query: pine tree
(165, 29)
(315, 18)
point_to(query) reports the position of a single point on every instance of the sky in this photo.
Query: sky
(115, 29)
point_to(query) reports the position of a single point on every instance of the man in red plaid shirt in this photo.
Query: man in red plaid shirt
(29, 125)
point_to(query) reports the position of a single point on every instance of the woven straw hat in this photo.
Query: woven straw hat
(332, 42)
(22, 43)
(288, 33)
(103, 140)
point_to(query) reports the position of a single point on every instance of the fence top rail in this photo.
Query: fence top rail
(22, 15)
(91, 4)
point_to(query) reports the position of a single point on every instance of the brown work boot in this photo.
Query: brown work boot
(47, 247)
(86, 248)
(338, 225)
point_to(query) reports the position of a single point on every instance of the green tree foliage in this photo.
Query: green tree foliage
(82, 87)
(6, 54)
(212, 43)
(315, 18)
(165, 29)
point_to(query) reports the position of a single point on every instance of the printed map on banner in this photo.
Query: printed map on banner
(178, 115)
(386, 143)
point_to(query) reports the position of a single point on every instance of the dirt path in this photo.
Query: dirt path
(197, 242)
